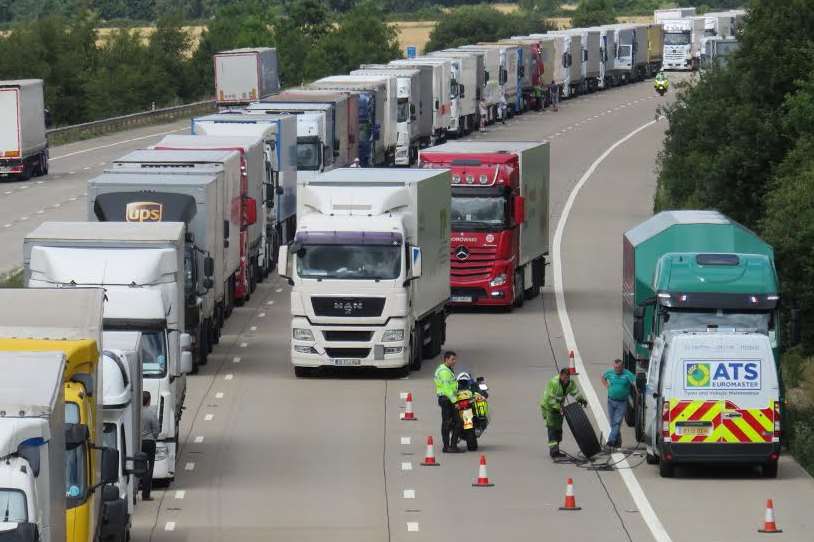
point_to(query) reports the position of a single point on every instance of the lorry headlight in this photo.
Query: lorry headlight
(499, 280)
(393, 335)
(301, 334)
(161, 452)
(305, 350)
(392, 350)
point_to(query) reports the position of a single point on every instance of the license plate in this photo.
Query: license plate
(347, 362)
(694, 430)
(461, 299)
(468, 418)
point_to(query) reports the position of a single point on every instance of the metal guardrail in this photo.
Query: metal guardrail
(86, 130)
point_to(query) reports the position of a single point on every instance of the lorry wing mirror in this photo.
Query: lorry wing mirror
(638, 329)
(209, 266)
(186, 341)
(251, 211)
(75, 435)
(519, 210)
(139, 464)
(462, 91)
(186, 362)
(86, 380)
(208, 283)
(415, 262)
(110, 465)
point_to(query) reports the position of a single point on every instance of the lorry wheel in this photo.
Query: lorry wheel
(26, 173)
(582, 430)
(770, 469)
(471, 440)
(666, 470)
(519, 289)
(415, 349)
(537, 270)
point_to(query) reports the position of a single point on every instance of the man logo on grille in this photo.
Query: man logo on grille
(349, 306)
(461, 253)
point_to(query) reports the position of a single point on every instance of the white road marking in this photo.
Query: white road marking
(169, 526)
(270, 302)
(219, 395)
(236, 359)
(180, 494)
(623, 467)
(230, 376)
(253, 328)
(41, 211)
(101, 164)
(403, 395)
(189, 466)
(261, 315)
(7, 193)
(23, 218)
(408, 494)
(7, 225)
(406, 441)
(199, 439)
(56, 205)
(209, 417)
(278, 290)
(412, 526)
(54, 158)
(244, 345)
(86, 168)
(24, 187)
(406, 465)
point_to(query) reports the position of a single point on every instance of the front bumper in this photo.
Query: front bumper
(330, 349)
(752, 454)
(480, 294)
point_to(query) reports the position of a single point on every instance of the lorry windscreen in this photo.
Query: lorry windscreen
(680, 319)
(308, 156)
(676, 38)
(13, 508)
(349, 262)
(478, 213)
(403, 110)
(154, 354)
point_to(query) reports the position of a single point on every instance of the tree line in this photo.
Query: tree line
(129, 72)
(741, 140)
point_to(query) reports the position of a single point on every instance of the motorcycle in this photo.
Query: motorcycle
(473, 407)
(661, 86)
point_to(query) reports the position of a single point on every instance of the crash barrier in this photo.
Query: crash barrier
(87, 130)
(582, 429)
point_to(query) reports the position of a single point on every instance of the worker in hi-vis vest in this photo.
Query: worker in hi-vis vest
(551, 403)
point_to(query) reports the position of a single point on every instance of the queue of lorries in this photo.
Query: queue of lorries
(180, 233)
(691, 40)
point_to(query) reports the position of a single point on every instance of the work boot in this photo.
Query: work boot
(452, 450)
(555, 452)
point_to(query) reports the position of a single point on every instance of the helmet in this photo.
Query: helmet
(464, 380)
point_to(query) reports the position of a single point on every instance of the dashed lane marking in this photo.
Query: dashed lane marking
(189, 466)
(219, 395)
(278, 290)
(236, 359)
(623, 467)
(199, 439)
(406, 465)
(412, 526)
(406, 441)
(271, 302)
(180, 494)
(209, 417)
(169, 526)
(261, 315)
(408, 494)
(253, 328)
(244, 345)
(230, 376)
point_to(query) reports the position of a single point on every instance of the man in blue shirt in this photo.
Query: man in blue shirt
(620, 383)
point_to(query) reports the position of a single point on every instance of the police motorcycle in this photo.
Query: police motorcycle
(473, 407)
(661, 84)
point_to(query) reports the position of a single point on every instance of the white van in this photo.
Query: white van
(712, 397)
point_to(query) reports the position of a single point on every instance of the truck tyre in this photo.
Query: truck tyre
(433, 348)
(519, 288)
(582, 430)
(415, 349)
(26, 173)
(537, 270)
(44, 164)
(769, 470)
(666, 470)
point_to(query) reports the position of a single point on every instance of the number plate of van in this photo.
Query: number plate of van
(694, 428)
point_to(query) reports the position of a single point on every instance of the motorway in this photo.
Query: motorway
(265, 456)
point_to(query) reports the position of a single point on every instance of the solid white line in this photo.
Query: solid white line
(628, 477)
(180, 494)
(244, 345)
(169, 526)
(54, 158)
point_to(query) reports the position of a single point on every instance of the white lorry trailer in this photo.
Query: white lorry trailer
(23, 145)
(245, 75)
(467, 65)
(663, 15)
(441, 98)
(370, 269)
(32, 446)
(410, 136)
(252, 175)
(121, 430)
(141, 268)
(382, 90)
(682, 43)
(278, 182)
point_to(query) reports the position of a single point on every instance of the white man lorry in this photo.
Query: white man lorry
(370, 269)
(466, 65)
(141, 268)
(276, 189)
(245, 75)
(32, 447)
(23, 145)
(682, 42)
(441, 91)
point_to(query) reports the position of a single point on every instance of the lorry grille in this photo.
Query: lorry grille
(348, 306)
(347, 352)
(471, 263)
(359, 336)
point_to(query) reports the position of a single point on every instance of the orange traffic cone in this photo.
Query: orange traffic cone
(408, 415)
(570, 500)
(572, 369)
(769, 526)
(483, 477)
(429, 458)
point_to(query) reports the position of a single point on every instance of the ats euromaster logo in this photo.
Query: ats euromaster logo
(722, 375)
(144, 211)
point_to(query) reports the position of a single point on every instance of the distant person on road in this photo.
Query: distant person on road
(620, 384)
(503, 109)
(483, 112)
(446, 388)
(554, 92)
(150, 428)
(551, 403)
